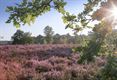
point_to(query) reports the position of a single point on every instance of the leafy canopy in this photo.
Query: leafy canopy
(27, 11)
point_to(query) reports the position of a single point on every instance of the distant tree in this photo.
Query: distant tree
(56, 39)
(63, 39)
(39, 39)
(68, 36)
(17, 37)
(76, 37)
(27, 39)
(48, 31)
(22, 38)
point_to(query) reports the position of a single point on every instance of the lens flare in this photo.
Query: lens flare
(113, 12)
(112, 15)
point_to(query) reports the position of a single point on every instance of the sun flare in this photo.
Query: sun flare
(112, 15)
(114, 12)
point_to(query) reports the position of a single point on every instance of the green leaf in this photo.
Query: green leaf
(64, 19)
(28, 19)
(9, 8)
(17, 25)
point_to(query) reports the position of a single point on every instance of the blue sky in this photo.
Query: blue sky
(52, 18)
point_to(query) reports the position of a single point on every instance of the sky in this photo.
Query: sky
(52, 18)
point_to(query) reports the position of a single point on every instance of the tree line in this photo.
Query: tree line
(49, 37)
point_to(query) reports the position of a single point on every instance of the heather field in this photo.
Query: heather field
(45, 62)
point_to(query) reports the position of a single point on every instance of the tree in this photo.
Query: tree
(17, 37)
(27, 39)
(48, 31)
(56, 39)
(22, 38)
(39, 39)
(102, 29)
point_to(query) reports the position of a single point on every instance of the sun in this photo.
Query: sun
(112, 15)
(113, 11)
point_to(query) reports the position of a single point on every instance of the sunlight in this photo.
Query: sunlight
(112, 16)
(114, 12)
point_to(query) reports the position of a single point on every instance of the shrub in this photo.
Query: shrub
(109, 72)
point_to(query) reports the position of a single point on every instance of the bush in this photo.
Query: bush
(109, 72)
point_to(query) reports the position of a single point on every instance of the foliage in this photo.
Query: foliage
(102, 29)
(48, 34)
(56, 38)
(19, 38)
(112, 38)
(39, 39)
(89, 52)
(27, 11)
(81, 21)
(110, 69)
(22, 38)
